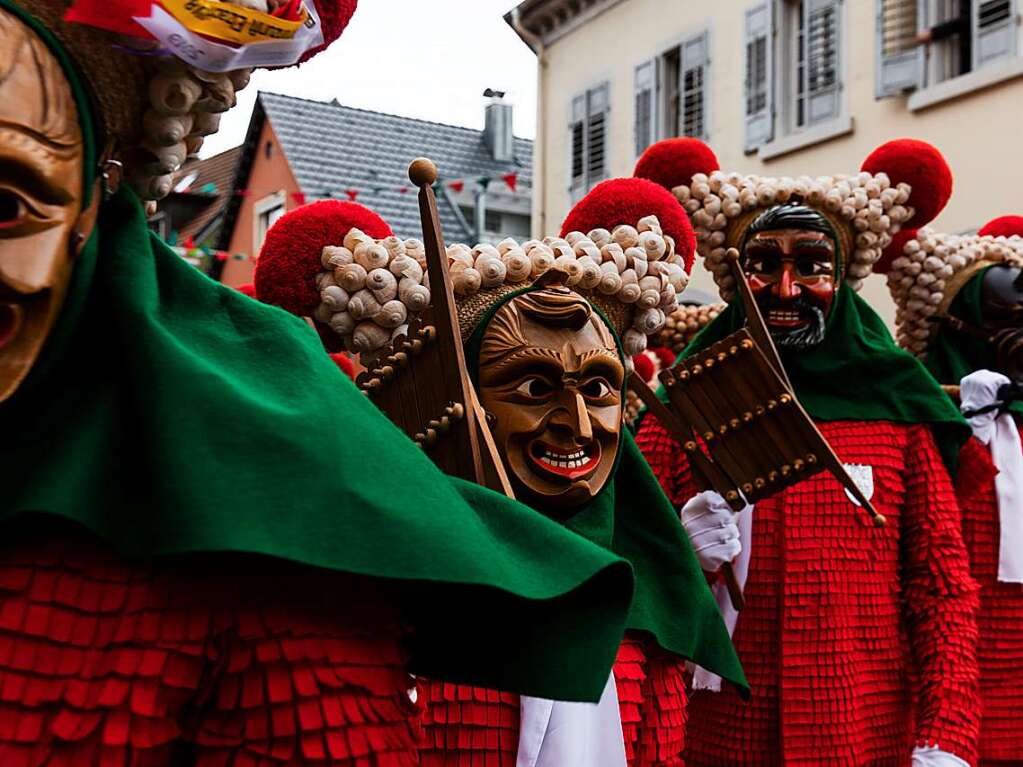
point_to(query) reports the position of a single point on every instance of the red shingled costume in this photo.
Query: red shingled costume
(845, 623)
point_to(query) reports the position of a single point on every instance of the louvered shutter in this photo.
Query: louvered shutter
(759, 102)
(694, 87)
(646, 94)
(822, 85)
(577, 147)
(596, 134)
(994, 30)
(900, 59)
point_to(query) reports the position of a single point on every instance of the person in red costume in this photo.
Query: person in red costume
(547, 339)
(859, 640)
(976, 346)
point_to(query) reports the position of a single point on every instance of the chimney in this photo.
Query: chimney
(497, 133)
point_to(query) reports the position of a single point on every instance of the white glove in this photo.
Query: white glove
(710, 524)
(929, 756)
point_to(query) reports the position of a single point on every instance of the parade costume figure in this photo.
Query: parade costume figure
(846, 625)
(959, 300)
(541, 323)
(196, 568)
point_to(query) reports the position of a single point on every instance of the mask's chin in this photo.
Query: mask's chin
(558, 479)
(24, 328)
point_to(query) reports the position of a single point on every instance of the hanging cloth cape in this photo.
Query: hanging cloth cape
(171, 415)
(633, 518)
(857, 373)
(953, 356)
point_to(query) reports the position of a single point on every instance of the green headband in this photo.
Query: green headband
(81, 95)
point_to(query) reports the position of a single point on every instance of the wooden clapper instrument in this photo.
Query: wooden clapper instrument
(734, 412)
(421, 382)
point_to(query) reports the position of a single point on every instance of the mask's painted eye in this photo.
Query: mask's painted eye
(595, 388)
(535, 387)
(11, 207)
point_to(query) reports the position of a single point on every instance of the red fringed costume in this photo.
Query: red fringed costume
(473, 727)
(1000, 620)
(106, 663)
(841, 615)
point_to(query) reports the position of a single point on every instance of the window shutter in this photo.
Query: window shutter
(596, 134)
(646, 93)
(759, 100)
(822, 84)
(577, 143)
(900, 59)
(693, 103)
(994, 30)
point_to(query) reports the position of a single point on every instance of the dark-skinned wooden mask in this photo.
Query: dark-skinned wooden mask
(1001, 313)
(789, 256)
(41, 165)
(551, 380)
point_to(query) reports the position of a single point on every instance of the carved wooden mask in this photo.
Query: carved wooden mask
(41, 157)
(551, 378)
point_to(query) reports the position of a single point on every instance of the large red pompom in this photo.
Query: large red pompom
(344, 363)
(334, 17)
(674, 161)
(627, 200)
(894, 250)
(644, 367)
(920, 165)
(665, 355)
(1003, 226)
(290, 260)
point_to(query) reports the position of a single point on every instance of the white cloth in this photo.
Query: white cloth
(999, 433)
(554, 733)
(711, 526)
(930, 756)
(703, 679)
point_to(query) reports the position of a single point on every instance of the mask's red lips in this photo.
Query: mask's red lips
(572, 464)
(10, 322)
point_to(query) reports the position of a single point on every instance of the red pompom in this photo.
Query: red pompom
(1003, 226)
(248, 289)
(344, 362)
(920, 165)
(334, 17)
(627, 200)
(894, 250)
(644, 366)
(674, 161)
(290, 260)
(665, 355)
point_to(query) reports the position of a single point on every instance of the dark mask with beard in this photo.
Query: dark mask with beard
(789, 255)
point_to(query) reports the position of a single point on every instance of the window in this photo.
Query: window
(266, 213)
(961, 37)
(801, 41)
(672, 93)
(588, 131)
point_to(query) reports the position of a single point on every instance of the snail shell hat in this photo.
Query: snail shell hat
(928, 269)
(902, 183)
(154, 109)
(339, 264)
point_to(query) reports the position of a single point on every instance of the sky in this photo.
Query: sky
(430, 59)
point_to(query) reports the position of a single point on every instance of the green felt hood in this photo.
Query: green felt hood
(857, 373)
(633, 518)
(173, 415)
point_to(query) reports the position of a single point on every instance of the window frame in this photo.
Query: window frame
(261, 210)
(582, 115)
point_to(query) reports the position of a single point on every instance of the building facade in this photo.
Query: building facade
(778, 87)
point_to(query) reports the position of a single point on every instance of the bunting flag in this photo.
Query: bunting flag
(511, 179)
(375, 189)
(456, 186)
(299, 198)
(352, 194)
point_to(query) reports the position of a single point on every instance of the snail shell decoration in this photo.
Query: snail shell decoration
(684, 323)
(868, 203)
(920, 278)
(370, 288)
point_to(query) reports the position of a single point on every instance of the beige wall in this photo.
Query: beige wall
(980, 133)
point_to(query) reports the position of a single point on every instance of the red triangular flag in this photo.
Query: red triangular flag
(298, 197)
(456, 186)
(511, 179)
(403, 190)
(352, 194)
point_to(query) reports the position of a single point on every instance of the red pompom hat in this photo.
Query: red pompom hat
(625, 201)
(291, 257)
(674, 161)
(920, 165)
(1003, 226)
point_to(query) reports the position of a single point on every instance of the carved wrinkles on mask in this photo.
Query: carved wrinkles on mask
(791, 273)
(41, 156)
(551, 378)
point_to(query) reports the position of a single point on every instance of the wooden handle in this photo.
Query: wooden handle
(734, 589)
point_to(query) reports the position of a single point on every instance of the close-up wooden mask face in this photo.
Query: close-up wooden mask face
(41, 157)
(551, 379)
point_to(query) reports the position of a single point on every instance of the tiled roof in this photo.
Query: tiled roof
(214, 179)
(332, 148)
